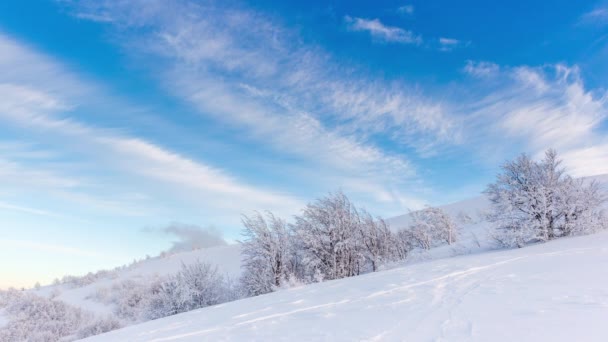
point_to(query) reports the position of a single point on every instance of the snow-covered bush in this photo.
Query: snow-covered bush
(130, 298)
(87, 279)
(196, 286)
(35, 318)
(536, 202)
(98, 326)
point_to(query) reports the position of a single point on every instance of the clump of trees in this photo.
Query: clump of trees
(196, 286)
(536, 201)
(331, 239)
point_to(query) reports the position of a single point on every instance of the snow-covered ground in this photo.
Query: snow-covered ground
(556, 291)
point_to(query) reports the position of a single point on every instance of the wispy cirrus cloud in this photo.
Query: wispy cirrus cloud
(481, 68)
(597, 16)
(285, 92)
(449, 44)
(536, 108)
(381, 32)
(39, 105)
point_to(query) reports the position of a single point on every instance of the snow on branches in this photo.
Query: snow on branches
(536, 202)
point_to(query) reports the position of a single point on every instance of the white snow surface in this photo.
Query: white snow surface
(557, 291)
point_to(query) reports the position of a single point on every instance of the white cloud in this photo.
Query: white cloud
(481, 69)
(448, 41)
(285, 93)
(536, 108)
(190, 237)
(597, 16)
(29, 105)
(406, 9)
(382, 32)
(449, 44)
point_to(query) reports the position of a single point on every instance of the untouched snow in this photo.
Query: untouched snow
(556, 291)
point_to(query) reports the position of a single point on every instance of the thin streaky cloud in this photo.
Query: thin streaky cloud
(597, 16)
(381, 32)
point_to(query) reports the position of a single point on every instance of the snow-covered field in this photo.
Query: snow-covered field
(556, 291)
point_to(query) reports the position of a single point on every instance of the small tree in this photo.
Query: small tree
(432, 226)
(378, 242)
(267, 258)
(329, 234)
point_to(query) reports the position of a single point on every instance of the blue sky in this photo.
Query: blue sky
(119, 118)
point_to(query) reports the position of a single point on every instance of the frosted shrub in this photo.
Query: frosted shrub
(34, 318)
(98, 326)
(196, 286)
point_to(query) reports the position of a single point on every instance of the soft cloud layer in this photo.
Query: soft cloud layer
(287, 94)
(191, 237)
(37, 106)
(598, 16)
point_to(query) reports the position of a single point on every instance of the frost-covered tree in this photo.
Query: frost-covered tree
(328, 231)
(378, 242)
(432, 226)
(536, 201)
(267, 253)
(582, 207)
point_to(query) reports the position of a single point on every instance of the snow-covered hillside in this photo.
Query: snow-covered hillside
(433, 293)
(226, 258)
(556, 291)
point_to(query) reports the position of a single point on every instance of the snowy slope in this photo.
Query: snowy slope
(226, 258)
(555, 291)
(474, 239)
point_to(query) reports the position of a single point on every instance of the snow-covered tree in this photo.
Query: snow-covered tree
(432, 226)
(536, 201)
(328, 231)
(582, 207)
(377, 240)
(267, 253)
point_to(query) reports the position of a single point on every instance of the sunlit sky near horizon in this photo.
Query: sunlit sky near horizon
(120, 118)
